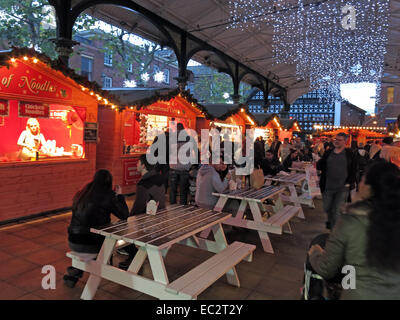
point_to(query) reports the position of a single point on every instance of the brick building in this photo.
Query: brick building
(89, 59)
(389, 107)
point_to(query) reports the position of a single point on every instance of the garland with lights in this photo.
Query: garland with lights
(188, 97)
(6, 58)
(25, 53)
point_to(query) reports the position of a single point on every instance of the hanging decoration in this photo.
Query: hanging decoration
(330, 42)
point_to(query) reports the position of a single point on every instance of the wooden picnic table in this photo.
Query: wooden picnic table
(290, 181)
(277, 223)
(154, 235)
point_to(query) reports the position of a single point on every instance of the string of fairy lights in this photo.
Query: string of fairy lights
(330, 42)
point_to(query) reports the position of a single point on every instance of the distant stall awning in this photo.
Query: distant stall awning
(290, 125)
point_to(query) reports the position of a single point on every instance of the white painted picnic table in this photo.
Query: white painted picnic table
(277, 223)
(154, 235)
(290, 181)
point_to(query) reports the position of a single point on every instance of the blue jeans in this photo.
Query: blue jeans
(332, 202)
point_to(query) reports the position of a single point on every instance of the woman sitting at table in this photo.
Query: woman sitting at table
(92, 207)
(367, 237)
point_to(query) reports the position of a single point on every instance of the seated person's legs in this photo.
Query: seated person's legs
(73, 274)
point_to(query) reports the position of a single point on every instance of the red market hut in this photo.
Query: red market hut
(289, 127)
(268, 126)
(231, 117)
(48, 126)
(125, 135)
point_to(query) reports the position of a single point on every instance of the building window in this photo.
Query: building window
(108, 58)
(390, 95)
(166, 76)
(107, 82)
(87, 67)
(130, 65)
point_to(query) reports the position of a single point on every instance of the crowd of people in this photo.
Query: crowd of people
(365, 176)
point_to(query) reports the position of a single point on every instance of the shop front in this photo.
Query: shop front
(46, 124)
(290, 126)
(228, 119)
(125, 135)
(268, 126)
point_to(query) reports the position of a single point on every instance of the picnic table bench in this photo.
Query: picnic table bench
(154, 235)
(277, 223)
(290, 181)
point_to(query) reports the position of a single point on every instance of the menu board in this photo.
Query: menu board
(90, 132)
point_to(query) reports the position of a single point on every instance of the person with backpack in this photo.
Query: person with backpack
(366, 239)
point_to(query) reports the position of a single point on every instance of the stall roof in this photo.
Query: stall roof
(289, 123)
(6, 57)
(222, 111)
(208, 20)
(263, 119)
(136, 96)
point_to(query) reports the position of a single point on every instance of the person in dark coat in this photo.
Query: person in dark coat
(292, 157)
(150, 187)
(163, 168)
(271, 165)
(92, 208)
(338, 168)
(366, 237)
(275, 146)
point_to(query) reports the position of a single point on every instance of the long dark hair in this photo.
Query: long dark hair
(100, 185)
(383, 246)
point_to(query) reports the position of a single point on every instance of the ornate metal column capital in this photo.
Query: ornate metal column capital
(64, 48)
(236, 98)
(182, 81)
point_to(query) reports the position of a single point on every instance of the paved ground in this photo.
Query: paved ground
(26, 247)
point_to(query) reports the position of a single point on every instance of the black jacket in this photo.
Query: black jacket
(150, 187)
(287, 163)
(96, 213)
(271, 167)
(351, 168)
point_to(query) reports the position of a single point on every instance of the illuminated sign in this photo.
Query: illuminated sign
(4, 108)
(21, 79)
(33, 110)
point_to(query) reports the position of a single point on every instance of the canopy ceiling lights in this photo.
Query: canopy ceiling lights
(331, 42)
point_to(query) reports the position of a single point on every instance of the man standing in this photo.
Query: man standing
(338, 176)
(179, 173)
(284, 150)
(275, 146)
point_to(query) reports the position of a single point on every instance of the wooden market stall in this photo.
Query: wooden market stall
(125, 135)
(233, 118)
(48, 121)
(290, 126)
(356, 133)
(268, 126)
